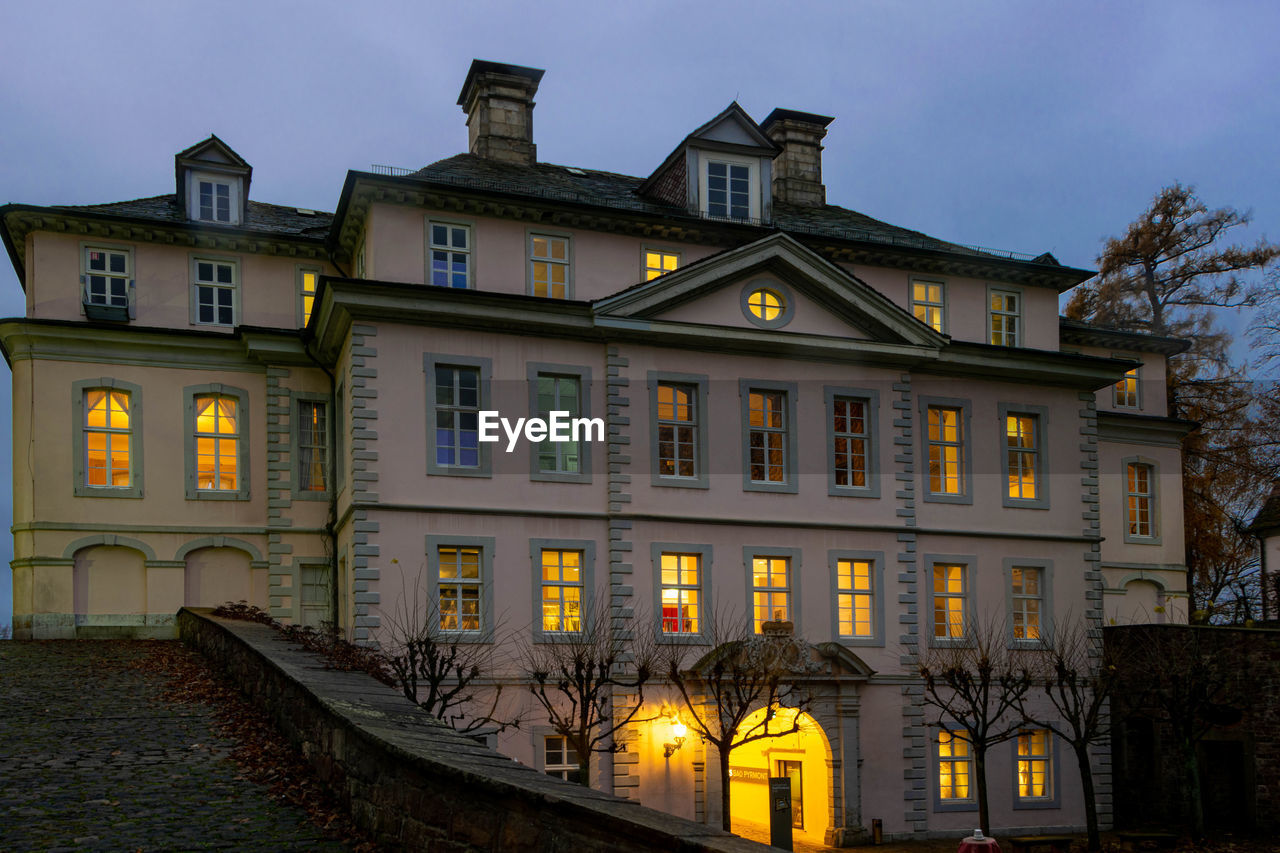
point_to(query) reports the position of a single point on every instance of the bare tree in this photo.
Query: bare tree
(1079, 686)
(743, 673)
(576, 674)
(977, 684)
(444, 671)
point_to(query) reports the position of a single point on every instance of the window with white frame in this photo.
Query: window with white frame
(851, 438)
(1006, 318)
(217, 443)
(1035, 765)
(770, 590)
(658, 262)
(108, 438)
(680, 595)
(312, 448)
(767, 436)
(949, 601)
(561, 590)
(560, 758)
(214, 289)
(460, 588)
(457, 412)
(1125, 392)
(946, 450)
(214, 199)
(677, 430)
(1027, 600)
(308, 281)
(728, 190)
(313, 599)
(1140, 500)
(107, 273)
(549, 266)
(1022, 455)
(928, 303)
(559, 394)
(449, 253)
(855, 598)
(955, 767)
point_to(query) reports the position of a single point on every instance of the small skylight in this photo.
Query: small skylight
(572, 171)
(305, 211)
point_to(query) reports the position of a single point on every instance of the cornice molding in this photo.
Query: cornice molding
(1143, 429)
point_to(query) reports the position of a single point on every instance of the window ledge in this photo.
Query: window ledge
(113, 313)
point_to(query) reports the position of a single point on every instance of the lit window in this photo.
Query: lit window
(728, 190)
(1140, 496)
(457, 427)
(561, 759)
(213, 202)
(1028, 602)
(771, 590)
(217, 437)
(107, 438)
(215, 292)
(855, 596)
(927, 303)
(955, 766)
(948, 601)
(681, 593)
(450, 255)
(946, 450)
(677, 430)
(312, 446)
(106, 276)
(561, 590)
(767, 436)
(308, 279)
(659, 263)
(549, 265)
(1035, 765)
(765, 304)
(851, 432)
(559, 394)
(1023, 455)
(1006, 317)
(1125, 393)
(459, 588)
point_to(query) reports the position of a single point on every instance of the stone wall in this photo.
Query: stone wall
(413, 782)
(1239, 758)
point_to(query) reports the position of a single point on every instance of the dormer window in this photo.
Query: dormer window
(728, 190)
(730, 187)
(215, 201)
(215, 198)
(213, 183)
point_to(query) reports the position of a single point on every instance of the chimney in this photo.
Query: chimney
(797, 171)
(498, 101)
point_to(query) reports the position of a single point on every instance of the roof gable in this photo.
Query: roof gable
(870, 314)
(734, 127)
(212, 150)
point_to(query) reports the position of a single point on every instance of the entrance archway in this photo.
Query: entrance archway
(804, 755)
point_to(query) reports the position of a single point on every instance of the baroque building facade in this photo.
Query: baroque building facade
(794, 411)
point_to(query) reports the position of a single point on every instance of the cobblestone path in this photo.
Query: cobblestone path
(92, 759)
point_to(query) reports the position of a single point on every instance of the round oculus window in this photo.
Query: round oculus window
(767, 305)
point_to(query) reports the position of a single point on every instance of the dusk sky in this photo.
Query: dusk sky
(1044, 126)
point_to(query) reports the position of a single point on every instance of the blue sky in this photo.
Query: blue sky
(1036, 127)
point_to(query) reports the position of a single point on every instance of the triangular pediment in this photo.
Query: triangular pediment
(827, 300)
(212, 150)
(733, 127)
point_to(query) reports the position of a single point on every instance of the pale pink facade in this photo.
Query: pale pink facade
(391, 486)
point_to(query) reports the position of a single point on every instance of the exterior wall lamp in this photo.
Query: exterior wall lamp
(678, 733)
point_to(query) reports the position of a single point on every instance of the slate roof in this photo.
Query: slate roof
(272, 219)
(610, 189)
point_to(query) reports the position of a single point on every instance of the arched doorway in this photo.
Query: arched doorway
(804, 755)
